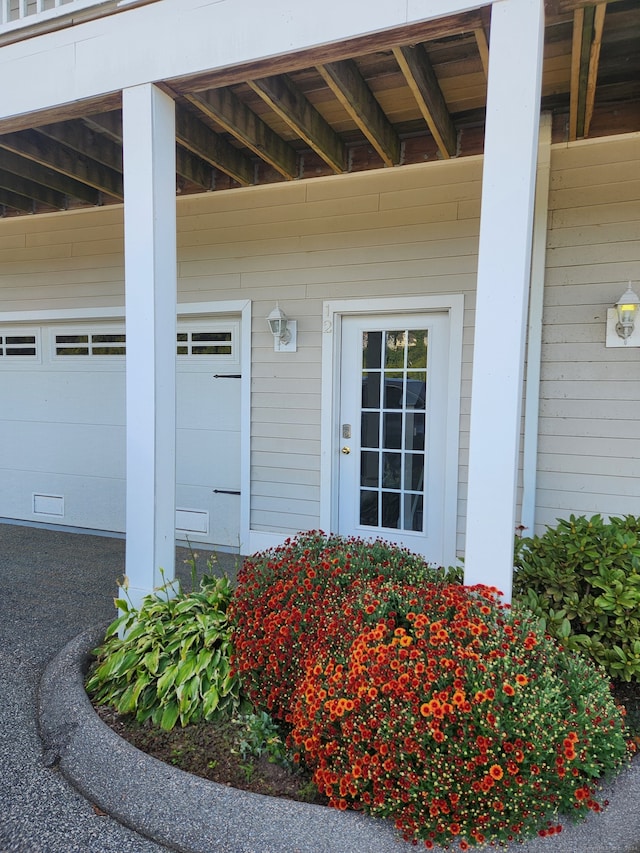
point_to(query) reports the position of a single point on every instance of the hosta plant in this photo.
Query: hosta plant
(454, 717)
(582, 579)
(169, 661)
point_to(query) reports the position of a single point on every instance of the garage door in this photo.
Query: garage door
(62, 427)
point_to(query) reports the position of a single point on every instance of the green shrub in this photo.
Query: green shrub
(173, 663)
(287, 595)
(582, 579)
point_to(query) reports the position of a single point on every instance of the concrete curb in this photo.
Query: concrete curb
(193, 815)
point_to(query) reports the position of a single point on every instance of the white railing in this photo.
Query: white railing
(24, 13)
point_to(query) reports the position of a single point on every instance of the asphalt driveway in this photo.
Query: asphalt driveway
(54, 585)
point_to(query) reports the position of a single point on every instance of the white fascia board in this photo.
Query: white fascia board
(174, 38)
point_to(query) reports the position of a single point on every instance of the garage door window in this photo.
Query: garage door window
(205, 343)
(90, 343)
(22, 345)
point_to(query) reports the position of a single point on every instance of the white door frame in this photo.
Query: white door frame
(333, 312)
(184, 309)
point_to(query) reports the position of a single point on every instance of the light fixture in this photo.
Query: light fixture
(627, 310)
(283, 330)
(622, 326)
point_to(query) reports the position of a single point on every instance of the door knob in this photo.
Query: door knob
(346, 450)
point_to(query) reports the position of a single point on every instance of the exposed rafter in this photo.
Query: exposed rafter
(203, 142)
(29, 189)
(78, 137)
(31, 145)
(47, 177)
(588, 25)
(419, 74)
(236, 118)
(285, 99)
(351, 89)
(483, 48)
(188, 166)
(16, 201)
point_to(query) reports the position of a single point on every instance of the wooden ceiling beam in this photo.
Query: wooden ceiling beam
(32, 146)
(82, 139)
(16, 201)
(193, 168)
(594, 64)
(483, 48)
(236, 118)
(31, 189)
(419, 74)
(287, 101)
(108, 124)
(351, 89)
(11, 162)
(188, 166)
(588, 25)
(204, 143)
(560, 7)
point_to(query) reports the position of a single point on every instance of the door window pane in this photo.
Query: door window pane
(372, 350)
(370, 429)
(392, 429)
(371, 390)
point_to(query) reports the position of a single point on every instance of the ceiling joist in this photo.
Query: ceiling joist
(287, 101)
(11, 182)
(236, 118)
(588, 25)
(351, 89)
(419, 74)
(204, 143)
(31, 145)
(77, 136)
(47, 177)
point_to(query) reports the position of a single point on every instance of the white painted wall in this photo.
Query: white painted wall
(399, 231)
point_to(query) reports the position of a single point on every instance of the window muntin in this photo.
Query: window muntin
(87, 343)
(19, 343)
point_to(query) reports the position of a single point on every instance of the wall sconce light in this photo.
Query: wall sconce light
(621, 321)
(284, 331)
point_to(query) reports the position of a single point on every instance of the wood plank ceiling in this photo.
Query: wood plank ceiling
(383, 101)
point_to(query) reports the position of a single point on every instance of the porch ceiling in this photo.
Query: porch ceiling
(389, 99)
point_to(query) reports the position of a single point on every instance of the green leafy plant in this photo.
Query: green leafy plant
(169, 661)
(260, 735)
(582, 579)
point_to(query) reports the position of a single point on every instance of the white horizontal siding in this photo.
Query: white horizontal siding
(589, 448)
(401, 232)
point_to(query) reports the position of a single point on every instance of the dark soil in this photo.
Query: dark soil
(212, 750)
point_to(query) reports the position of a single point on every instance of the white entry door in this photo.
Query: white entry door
(393, 420)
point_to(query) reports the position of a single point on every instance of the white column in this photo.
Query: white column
(150, 300)
(511, 140)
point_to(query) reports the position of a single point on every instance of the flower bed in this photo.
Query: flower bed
(419, 700)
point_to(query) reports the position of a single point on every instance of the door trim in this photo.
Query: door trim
(333, 312)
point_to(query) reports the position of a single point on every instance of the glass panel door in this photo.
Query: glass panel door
(392, 429)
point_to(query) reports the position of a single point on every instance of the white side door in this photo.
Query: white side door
(393, 421)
